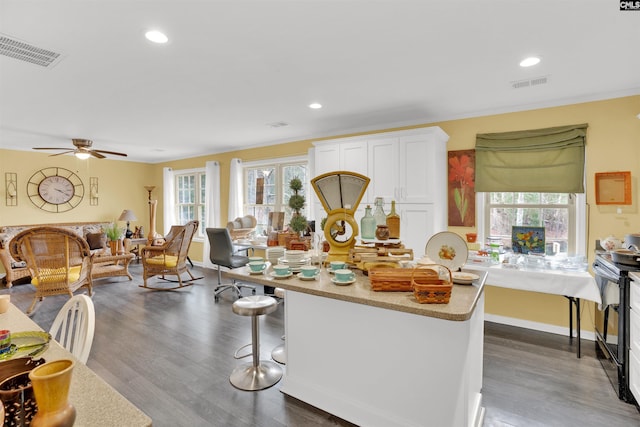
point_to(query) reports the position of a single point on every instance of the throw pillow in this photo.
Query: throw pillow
(96, 240)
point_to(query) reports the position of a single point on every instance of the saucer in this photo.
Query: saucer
(303, 277)
(257, 272)
(463, 278)
(278, 276)
(337, 282)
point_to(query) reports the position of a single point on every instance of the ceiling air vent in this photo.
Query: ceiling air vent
(536, 81)
(25, 52)
(277, 124)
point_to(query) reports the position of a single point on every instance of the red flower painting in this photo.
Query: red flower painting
(462, 188)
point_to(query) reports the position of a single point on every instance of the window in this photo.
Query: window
(190, 198)
(562, 215)
(267, 189)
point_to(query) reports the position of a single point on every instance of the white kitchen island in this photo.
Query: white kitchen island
(381, 358)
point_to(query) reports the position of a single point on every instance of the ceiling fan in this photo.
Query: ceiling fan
(82, 151)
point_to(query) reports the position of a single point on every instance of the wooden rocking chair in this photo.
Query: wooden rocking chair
(171, 257)
(59, 261)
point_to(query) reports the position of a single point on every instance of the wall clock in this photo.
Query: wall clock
(55, 189)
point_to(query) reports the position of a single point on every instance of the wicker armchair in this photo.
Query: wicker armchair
(170, 258)
(58, 260)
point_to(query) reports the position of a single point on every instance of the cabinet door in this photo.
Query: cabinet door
(327, 158)
(383, 169)
(422, 170)
(416, 225)
(353, 158)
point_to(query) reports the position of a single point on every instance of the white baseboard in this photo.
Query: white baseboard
(537, 326)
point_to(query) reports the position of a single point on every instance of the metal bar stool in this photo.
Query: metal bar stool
(258, 374)
(278, 353)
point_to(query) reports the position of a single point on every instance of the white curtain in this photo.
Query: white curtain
(168, 199)
(212, 206)
(235, 190)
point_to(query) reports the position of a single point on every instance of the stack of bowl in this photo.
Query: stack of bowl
(295, 259)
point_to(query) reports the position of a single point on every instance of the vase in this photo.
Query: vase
(113, 245)
(51, 383)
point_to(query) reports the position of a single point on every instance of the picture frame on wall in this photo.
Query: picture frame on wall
(461, 188)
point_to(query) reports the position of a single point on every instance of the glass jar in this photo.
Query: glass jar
(368, 224)
(378, 214)
(382, 232)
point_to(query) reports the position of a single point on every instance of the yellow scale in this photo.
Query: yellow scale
(340, 193)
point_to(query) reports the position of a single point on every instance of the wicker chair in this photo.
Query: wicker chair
(58, 260)
(170, 258)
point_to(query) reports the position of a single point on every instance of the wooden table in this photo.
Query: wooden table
(96, 402)
(381, 358)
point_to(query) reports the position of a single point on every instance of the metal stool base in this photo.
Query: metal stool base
(251, 378)
(279, 355)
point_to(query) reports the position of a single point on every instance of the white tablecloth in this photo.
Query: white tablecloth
(568, 283)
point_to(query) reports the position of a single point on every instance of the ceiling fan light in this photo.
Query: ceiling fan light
(82, 155)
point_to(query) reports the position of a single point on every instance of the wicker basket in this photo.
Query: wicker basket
(431, 289)
(398, 279)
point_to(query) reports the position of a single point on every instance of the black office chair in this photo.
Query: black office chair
(222, 254)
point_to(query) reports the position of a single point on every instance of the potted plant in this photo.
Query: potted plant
(298, 222)
(114, 235)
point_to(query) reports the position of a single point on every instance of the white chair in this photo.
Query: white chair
(74, 325)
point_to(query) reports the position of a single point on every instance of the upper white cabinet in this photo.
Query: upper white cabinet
(408, 166)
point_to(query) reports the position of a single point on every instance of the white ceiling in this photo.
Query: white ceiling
(232, 67)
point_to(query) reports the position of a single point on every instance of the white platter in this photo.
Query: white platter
(463, 278)
(448, 249)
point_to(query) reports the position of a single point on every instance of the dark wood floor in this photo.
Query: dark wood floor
(171, 353)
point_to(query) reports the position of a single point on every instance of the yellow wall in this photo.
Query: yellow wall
(613, 144)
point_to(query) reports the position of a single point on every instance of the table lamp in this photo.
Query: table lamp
(128, 215)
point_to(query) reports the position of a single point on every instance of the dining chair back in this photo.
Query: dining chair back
(222, 254)
(74, 326)
(58, 260)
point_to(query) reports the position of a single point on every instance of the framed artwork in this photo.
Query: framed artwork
(613, 188)
(525, 240)
(461, 188)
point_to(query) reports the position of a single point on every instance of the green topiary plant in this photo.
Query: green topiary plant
(298, 221)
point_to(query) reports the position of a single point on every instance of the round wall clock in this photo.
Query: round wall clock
(55, 189)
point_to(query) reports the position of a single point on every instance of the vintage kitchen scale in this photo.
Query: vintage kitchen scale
(340, 193)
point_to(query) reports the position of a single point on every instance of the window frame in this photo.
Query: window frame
(278, 164)
(578, 230)
(199, 205)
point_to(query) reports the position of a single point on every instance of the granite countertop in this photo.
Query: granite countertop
(460, 307)
(96, 402)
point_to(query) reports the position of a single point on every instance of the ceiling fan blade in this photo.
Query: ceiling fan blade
(95, 154)
(60, 154)
(50, 148)
(109, 152)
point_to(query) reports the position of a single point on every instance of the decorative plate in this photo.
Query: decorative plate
(303, 277)
(338, 282)
(448, 249)
(462, 278)
(28, 343)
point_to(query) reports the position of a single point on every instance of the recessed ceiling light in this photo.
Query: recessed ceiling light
(528, 62)
(156, 37)
(315, 106)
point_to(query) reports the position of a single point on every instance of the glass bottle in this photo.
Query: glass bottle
(393, 222)
(379, 215)
(368, 224)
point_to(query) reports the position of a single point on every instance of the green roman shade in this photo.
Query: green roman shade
(547, 160)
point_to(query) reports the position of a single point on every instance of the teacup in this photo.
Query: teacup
(281, 270)
(4, 302)
(345, 275)
(309, 270)
(257, 266)
(255, 258)
(336, 265)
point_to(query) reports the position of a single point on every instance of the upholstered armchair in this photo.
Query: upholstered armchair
(59, 261)
(170, 258)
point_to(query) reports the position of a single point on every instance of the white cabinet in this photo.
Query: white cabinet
(634, 340)
(408, 166)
